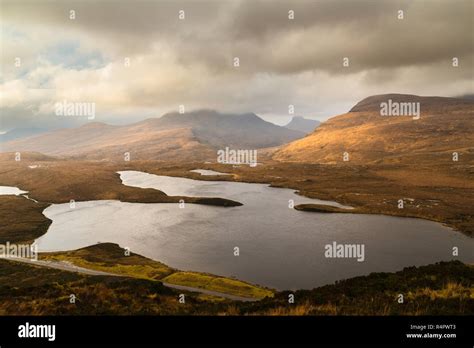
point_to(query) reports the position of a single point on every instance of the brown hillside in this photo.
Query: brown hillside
(446, 125)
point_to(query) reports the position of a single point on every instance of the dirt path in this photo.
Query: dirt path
(210, 292)
(69, 267)
(61, 265)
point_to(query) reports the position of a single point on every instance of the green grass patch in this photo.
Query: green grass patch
(111, 258)
(219, 284)
(152, 271)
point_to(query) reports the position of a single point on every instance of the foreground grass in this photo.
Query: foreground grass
(445, 288)
(111, 258)
(32, 290)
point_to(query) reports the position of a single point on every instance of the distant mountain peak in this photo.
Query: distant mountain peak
(208, 113)
(192, 135)
(197, 112)
(301, 124)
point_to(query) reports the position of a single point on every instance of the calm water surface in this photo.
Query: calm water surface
(279, 247)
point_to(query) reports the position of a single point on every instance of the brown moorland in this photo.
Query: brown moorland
(446, 125)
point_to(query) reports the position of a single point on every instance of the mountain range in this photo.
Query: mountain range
(445, 126)
(190, 136)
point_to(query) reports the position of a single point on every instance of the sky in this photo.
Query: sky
(139, 59)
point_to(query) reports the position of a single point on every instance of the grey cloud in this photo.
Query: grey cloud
(323, 32)
(282, 61)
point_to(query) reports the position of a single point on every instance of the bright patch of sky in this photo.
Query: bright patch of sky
(68, 54)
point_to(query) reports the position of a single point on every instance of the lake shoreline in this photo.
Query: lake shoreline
(226, 226)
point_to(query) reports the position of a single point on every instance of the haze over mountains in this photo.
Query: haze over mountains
(190, 136)
(20, 133)
(446, 125)
(302, 124)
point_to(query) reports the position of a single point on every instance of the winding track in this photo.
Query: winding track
(69, 267)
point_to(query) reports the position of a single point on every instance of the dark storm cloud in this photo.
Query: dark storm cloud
(322, 33)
